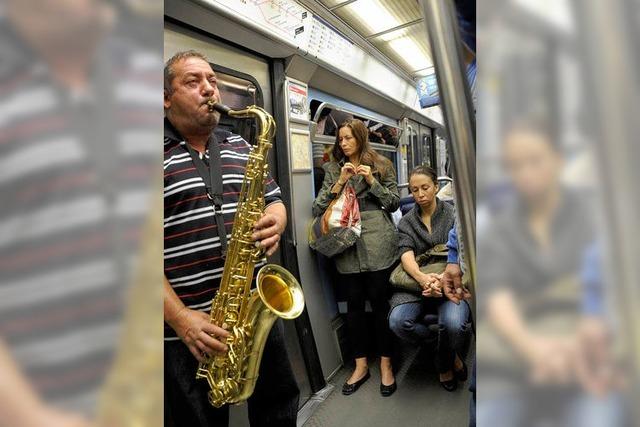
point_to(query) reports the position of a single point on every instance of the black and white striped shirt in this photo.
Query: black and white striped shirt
(193, 263)
(75, 177)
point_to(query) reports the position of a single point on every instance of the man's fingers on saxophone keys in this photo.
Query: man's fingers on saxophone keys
(269, 244)
(211, 344)
(273, 248)
(265, 221)
(264, 234)
(197, 352)
(215, 330)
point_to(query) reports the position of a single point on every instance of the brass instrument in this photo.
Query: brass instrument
(248, 314)
(132, 395)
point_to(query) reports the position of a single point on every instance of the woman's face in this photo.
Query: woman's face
(348, 142)
(532, 163)
(423, 189)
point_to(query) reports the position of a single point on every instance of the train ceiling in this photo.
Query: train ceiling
(394, 27)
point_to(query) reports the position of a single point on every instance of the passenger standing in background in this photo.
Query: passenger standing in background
(365, 267)
(420, 230)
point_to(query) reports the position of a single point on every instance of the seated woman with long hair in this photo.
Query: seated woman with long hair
(422, 228)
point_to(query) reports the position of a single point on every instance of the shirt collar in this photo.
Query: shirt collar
(170, 132)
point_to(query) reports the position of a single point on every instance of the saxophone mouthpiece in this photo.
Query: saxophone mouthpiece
(218, 106)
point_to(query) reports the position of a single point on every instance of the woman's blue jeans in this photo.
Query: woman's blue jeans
(416, 322)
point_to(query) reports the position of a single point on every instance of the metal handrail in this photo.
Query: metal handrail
(446, 47)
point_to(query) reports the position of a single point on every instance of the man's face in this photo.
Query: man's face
(193, 85)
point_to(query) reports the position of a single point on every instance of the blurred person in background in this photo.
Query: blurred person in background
(599, 368)
(76, 159)
(529, 348)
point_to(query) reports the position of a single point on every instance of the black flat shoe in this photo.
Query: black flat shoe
(388, 390)
(449, 385)
(462, 374)
(348, 389)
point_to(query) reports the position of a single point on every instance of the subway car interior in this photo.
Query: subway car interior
(313, 64)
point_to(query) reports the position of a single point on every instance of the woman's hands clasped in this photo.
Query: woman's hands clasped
(365, 171)
(349, 170)
(431, 285)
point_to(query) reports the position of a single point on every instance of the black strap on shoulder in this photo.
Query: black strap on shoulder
(213, 184)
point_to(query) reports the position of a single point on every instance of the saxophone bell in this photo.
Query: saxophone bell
(280, 291)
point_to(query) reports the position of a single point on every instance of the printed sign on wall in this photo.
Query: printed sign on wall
(428, 91)
(298, 104)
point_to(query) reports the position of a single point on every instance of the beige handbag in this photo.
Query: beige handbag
(432, 261)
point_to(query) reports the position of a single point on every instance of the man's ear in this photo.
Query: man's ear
(167, 101)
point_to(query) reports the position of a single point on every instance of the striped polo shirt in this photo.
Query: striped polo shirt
(76, 173)
(193, 263)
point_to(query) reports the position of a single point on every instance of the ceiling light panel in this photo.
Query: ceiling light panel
(409, 51)
(408, 47)
(368, 16)
(331, 3)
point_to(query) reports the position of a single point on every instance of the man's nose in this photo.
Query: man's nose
(208, 88)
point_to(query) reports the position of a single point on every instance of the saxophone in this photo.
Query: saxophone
(248, 314)
(132, 395)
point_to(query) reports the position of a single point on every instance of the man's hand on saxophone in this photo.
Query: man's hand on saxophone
(269, 227)
(199, 335)
(192, 326)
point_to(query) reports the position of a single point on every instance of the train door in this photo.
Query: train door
(410, 145)
(422, 147)
(303, 168)
(244, 79)
(404, 160)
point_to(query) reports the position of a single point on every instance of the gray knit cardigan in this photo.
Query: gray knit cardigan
(414, 236)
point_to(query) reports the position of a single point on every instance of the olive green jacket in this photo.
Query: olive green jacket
(377, 247)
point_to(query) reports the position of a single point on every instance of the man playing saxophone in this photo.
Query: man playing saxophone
(194, 247)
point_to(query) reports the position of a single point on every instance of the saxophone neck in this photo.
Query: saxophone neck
(266, 124)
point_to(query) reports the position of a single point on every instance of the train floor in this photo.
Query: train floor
(418, 401)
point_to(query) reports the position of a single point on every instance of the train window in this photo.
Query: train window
(410, 150)
(329, 119)
(384, 134)
(238, 90)
(427, 150)
(416, 148)
(421, 149)
(391, 155)
(379, 133)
